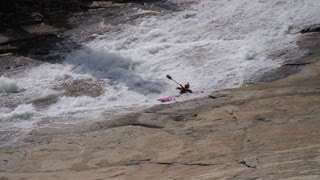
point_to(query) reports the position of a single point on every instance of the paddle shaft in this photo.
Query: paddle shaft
(176, 82)
(169, 77)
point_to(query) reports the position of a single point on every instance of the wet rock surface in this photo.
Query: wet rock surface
(266, 130)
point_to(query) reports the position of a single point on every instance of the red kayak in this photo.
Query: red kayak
(172, 98)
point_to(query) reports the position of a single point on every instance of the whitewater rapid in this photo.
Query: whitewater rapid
(210, 44)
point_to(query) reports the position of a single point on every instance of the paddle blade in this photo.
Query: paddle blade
(168, 76)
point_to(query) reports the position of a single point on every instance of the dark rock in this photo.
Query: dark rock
(10, 64)
(13, 35)
(45, 102)
(7, 49)
(313, 28)
(37, 17)
(17, 13)
(310, 42)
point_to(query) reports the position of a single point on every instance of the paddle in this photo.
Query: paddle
(169, 77)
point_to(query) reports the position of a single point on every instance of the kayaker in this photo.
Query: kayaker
(184, 89)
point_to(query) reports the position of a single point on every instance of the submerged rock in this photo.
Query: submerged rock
(83, 88)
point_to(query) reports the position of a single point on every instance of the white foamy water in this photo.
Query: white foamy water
(8, 86)
(211, 44)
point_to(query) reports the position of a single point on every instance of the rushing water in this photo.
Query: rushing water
(212, 44)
